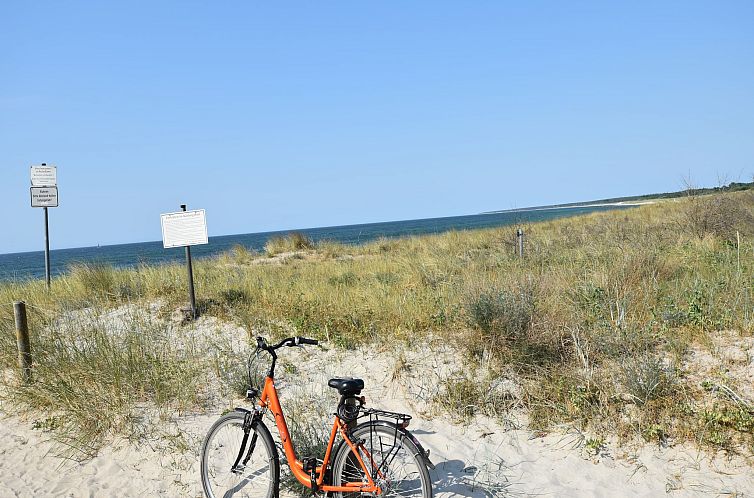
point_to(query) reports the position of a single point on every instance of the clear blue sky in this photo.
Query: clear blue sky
(287, 115)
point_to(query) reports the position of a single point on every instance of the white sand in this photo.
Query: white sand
(481, 459)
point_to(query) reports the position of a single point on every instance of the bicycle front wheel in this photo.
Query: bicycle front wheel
(394, 462)
(257, 478)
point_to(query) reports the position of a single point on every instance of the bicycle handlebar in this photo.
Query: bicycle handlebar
(290, 342)
(304, 340)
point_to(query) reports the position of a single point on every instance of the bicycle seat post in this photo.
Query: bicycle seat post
(352, 424)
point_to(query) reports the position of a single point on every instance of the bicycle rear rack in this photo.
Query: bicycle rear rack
(401, 419)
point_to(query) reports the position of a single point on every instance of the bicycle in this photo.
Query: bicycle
(375, 457)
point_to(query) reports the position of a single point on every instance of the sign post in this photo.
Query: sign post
(189, 267)
(185, 229)
(47, 249)
(44, 194)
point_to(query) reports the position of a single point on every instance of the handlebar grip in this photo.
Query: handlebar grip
(304, 340)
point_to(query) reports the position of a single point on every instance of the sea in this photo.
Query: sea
(31, 265)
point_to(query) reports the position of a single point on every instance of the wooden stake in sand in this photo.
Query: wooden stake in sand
(22, 339)
(520, 240)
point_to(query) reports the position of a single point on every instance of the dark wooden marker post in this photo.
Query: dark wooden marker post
(22, 340)
(192, 296)
(520, 240)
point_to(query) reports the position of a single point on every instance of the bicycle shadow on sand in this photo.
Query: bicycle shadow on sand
(456, 478)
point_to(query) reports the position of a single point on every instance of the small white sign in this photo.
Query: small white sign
(44, 197)
(184, 228)
(44, 176)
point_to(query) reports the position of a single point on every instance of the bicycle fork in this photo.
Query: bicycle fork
(248, 422)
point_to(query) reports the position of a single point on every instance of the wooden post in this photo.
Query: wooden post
(190, 271)
(22, 339)
(520, 239)
(738, 250)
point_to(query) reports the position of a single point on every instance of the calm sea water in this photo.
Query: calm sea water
(30, 265)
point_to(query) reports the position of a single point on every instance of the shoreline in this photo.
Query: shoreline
(567, 206)
(15, 267)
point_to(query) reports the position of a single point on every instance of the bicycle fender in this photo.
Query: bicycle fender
(404, 433)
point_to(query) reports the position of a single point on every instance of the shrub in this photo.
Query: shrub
(499, 313)
(646, 378)
(386, 278)
(716, 215)
(723, 423)
(346, 279)
(233, 297)
(460, 397)
(463, 397)
(592, 299)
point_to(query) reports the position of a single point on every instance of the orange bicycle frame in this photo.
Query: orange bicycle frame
(269, 399)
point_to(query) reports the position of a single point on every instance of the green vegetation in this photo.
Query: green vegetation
(91, 377)
(307, 421)
(595, 324)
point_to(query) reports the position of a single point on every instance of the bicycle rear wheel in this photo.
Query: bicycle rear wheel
(392, 459)
(258, 478)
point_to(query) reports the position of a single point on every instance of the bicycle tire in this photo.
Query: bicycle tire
(261, 476)
(404, 471)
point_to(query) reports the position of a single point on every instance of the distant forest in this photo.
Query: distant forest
(731, 187)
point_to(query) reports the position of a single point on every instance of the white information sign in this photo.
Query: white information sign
(184, 228)
(44, 176)
(44, 197)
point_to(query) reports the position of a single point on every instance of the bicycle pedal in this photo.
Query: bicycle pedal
(309, 464)
(313, 479)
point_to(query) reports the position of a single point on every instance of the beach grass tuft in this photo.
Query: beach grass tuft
(292, 242)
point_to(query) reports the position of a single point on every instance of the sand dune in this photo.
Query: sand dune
(483, 458)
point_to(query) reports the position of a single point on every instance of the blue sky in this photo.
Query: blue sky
(290, 115)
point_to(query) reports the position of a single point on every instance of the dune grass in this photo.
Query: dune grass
(294, 241)
(94, 374)
(595, 322)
